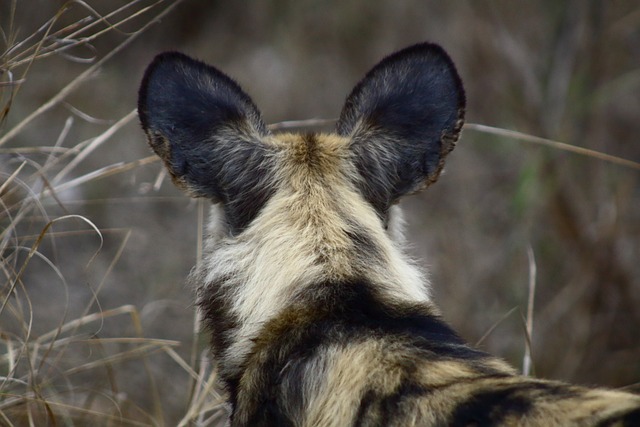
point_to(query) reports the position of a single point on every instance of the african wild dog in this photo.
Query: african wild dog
(317, 316)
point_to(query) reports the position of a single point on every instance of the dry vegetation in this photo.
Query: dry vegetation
(96, 324)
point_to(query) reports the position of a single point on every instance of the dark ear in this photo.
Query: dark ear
(404, 117)
(207, 131)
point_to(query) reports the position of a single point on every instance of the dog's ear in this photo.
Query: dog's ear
(207, 131)
(403, 118)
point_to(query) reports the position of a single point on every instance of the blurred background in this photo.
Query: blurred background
(96, 319)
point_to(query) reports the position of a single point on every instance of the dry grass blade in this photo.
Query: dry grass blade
(97, 142)
(494, 326)
(105, 172)
(33, 251)
(553, 144)
(526, 362)
(296, 124)
(112, 265)
(84, 320)
(197, 321)
(122, 356)
(9, 180)
(86, 117)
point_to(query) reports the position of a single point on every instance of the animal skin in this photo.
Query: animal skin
(317, 315)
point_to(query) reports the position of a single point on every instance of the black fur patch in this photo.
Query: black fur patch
(218, 317)
(377, 409)
(353, 307)
(492, 407)
(629, 419)
(366, 248)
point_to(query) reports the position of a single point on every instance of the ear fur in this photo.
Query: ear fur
(207, 131)
(403, 118)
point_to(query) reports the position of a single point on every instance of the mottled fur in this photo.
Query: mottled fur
(317, 316)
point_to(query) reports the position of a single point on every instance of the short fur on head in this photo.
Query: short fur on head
(317, 316)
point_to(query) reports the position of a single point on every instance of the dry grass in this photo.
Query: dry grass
(67, 374)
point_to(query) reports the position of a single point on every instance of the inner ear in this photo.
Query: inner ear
(403, 118)
(209, 134)
(181, 97)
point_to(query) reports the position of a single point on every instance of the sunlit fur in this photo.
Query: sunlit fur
(317, 315)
